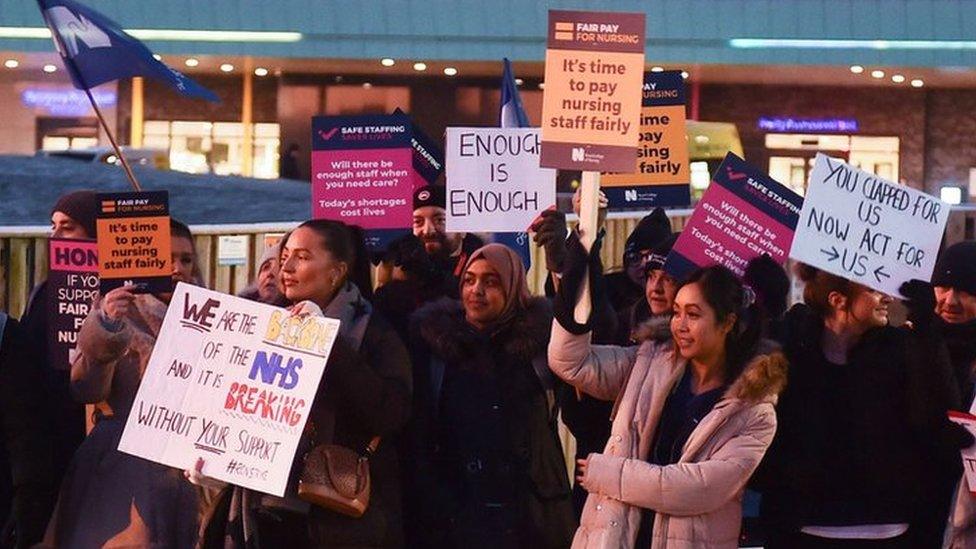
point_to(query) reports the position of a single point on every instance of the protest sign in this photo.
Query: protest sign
(592, 101)
(494, 182)
(362, 170)
(662, 176)
(743, 214)
(72, 286)
(428, 157)
(232, 381)
(363, 173)
(871, 231)
(968, 454)
(134, 241)
(232, 250)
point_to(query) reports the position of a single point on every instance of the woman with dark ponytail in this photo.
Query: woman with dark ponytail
(365, 393)
(693, 418)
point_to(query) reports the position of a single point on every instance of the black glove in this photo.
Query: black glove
(408, 253)
(920, 302)
(550, 233)
(577, 261)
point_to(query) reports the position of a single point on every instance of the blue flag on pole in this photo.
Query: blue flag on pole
(95, 50)
(511, 114)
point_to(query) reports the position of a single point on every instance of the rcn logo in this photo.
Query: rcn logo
(579, 154)
(630, 195)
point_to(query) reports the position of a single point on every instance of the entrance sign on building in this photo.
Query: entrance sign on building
(231, 381)
(494, 182)
(662, 176)
(743, 214)
(859, 226)
(592, 100)
(134, 241)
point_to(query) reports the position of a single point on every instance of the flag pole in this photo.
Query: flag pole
(111, 138)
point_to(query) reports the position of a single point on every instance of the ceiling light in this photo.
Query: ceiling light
(791, 43)
(420, 66)
(387, 62)
(367, 85)
(49, 69)
(227, 67)
(917, 83)
(877, 74)
(685, 75)
(542, 85)
(192, 62)
(260, 71)
(897, 78)
(157, 57)
(857, 69)
(657, 69)
(172, 35)
(450, 71)
(519, 81)
(11, 63)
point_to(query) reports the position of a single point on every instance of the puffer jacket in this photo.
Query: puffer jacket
(698, 499)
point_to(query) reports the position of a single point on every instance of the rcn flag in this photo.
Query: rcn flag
(512, 115)
(95, 50)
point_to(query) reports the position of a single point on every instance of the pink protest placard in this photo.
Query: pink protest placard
(743, 214)
(362, 170)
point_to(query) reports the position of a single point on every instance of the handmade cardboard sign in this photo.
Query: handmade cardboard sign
(134, 241)
(743, 214)
(866, 229)
(662, 176)
(231, 381)
(72, 286)
(968, 454)
(592, 101)
(494, 182)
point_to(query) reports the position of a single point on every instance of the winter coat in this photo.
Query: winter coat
(67, 415)
(836, 422)
(698, 499)
(108, 498)
(26, 456)
(368, 394)
(486, 465)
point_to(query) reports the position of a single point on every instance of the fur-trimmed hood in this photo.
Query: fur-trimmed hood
(656, 328)
(441, 326)
(763, 378)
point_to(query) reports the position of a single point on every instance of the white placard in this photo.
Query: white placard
(231, 381)
(232, 250)
(866, 229)
(494, 182)
(968, 454)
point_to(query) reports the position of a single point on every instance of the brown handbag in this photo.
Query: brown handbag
(337, 478)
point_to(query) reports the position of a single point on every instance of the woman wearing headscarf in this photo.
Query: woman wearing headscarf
(487, 468)
(108, 498)
(364, 393)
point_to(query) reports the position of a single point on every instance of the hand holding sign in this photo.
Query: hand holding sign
(866, 229)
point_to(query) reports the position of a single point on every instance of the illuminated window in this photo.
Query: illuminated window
(215, 147)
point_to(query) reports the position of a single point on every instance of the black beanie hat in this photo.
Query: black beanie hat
(768, 279)
(956, 267)
(649, 232)
(660, 253)
(430, 195)
(82, 206)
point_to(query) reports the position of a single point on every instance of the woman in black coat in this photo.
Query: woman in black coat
(860, 423)
(365, 392)
(487, 468)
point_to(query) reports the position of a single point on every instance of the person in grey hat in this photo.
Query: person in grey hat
(264, 288)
